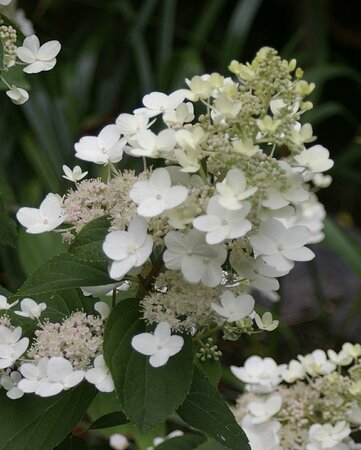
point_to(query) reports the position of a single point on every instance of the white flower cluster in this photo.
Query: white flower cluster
(47, 369)
(312, 403)
(31, 55)
(225, 198)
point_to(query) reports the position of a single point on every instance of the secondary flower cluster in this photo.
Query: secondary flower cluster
(21, 47)
(312, 403)
(60, 355)
(221, 203)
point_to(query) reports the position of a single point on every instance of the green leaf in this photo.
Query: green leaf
(8, 232)
(186, 442)
(211, 445)
(72, 443)
(147, 395)
(347, 247)
(212, 370)
(109, 420)
(36, 249)
(36, 423)
(205, 409)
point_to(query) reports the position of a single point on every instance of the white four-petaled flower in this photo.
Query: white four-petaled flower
(197, 260)
(105, 148)
(280, 246)
(38, 58)
(157, 102)
(73, 175)
(157, 194)
(315, 159)
(262, 411)
(220, 223)
(234, 308)
(232, 190)
(31, 309)
(48, 217)
(12, 346)
(128, 249)
(160, 345)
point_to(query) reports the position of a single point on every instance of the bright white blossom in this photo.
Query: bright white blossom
(17, 95)
(132, 124)
(280, 247)
(266, 322)
(12, 346)
(157, 194)
(316, 363)
(262, 436)
(262, 411)
(197, 260)
(31, 309)
(75, 174)
(160, 345)
(128, 249)
(294, 371)
(151, 145)
(4, 304)
(234, 308)
(322, 181)
(341, 358)
(10, 384)
(232, 190)
(260, 375)
(315, 159)
(184, 113)
(106, 148)
(328, 436)
(32, 375)
(38, 58)
(48, 217)
(157, 102)
(100, 375)
(118, 441)
(103, 309)
(354, 350)
(220, 223)
(245, 147)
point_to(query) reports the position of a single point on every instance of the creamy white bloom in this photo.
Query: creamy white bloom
(118, 441)
(17, 95)
(280, 246)
(341, 358)
(100, 375)
(160, 345)
(105, 148)
(157, 194)
(261, 375)
(199, 87)
(48, 217)
(225, 108)
(197, 260)
(31, 309)
(263, 436)
(12, 346)
(354, 350)
(73, 175)
(38, 58)
(266, 322)
(311, 214)
(315, 159)
(234, 308)
(60, 376)
(4, 304)
(232, 190)
(292, 192)
(263, 410)
(190, 139)
(328, 436)
(316, 363)
(128, 249)
(132, 124)
(294, 371)
(32, 374)
(260, 275)
(10, 384)
(302, 134)
(157, 102)
(151, 145)
(245, 147)
(103, 309)
(184, 113)
(322, 181)
(220, 223)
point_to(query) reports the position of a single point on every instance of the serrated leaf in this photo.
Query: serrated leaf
(36, 423)
(109, 420)
(205, 409)
(147, 395)
(212, 370)
(186, 442)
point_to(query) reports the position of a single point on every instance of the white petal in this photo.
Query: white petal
(73, 379)
(40, 66)
(192, 268)
(174, 345)
(299, 254)
(145, 344)
(58, 368)
(118, 269)
(95, 375)
(49, 51)
(108, 136)
(32, 43)
(28, 217)
(48, 389)
(175, 196)
(159, 359)
(162, 332)
(116, 245)
(159, 181)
